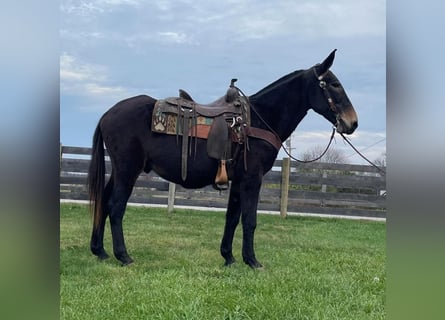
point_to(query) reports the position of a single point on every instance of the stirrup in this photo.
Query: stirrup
(221, 179)
(221, 187)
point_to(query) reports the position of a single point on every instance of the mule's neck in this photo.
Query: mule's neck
(282, 104)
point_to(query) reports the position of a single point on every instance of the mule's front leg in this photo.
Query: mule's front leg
(250, 189)
(232, 220)
(249, 226)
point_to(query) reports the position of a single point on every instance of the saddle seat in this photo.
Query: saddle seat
(218, 137)
(227, 104)
(211, 110)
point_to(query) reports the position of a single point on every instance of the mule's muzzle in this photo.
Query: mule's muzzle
(345, 126)
(347, 121)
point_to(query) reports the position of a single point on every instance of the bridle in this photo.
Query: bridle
(332, 106)
(334, 109)
(323, 85)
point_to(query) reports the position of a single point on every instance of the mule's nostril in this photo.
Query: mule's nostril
(354, 125)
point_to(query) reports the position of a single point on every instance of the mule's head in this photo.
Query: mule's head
(328, 98)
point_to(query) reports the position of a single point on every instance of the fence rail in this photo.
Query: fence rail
(322, 188)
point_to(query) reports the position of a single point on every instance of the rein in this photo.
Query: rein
(251, 107)
(361, 155)
(331, 103)
(317, 158)
(276, 134)
(327, 147)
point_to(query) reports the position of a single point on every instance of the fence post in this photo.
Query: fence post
(324, 176)
(285, 171)
(171, 197)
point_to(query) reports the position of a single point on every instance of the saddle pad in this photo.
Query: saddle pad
(165, 120)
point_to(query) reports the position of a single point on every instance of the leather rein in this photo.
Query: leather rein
(275, 139)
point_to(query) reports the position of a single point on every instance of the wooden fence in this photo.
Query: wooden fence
(322, 188)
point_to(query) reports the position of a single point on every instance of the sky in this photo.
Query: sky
(114, 49)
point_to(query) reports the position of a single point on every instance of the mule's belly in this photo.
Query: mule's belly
(165, 159)
(198, 174)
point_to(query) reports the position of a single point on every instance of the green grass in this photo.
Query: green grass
(314, 269)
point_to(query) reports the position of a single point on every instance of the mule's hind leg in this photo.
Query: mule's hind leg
(121, 192)
(97, 240)
(232, 221)
(97, 237)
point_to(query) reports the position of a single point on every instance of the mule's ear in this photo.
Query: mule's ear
(326, 64)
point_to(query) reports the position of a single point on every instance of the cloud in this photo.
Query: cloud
(137, 44)
(97, 89)
(73, 70)
(249, 19)
(343, 18)
(88, 8)
(84, 79)
(201, 22)
(163, 5)
(174, 37)
(136, 40)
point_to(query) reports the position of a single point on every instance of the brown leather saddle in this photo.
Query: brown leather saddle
(220, 122)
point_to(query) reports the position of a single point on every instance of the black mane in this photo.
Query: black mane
(278, 83)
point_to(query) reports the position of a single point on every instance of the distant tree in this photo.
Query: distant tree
(381, 162)
(333, 155)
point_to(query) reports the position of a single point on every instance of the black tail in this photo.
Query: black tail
(96, 177)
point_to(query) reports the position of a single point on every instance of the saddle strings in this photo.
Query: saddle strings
(246, 114)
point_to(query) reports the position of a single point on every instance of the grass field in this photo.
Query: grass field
(314, 269)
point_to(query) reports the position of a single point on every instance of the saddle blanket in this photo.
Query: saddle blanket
(167, 122)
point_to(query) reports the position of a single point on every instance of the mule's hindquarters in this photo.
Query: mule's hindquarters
(122, 129)
(111, 200)
(133, 147)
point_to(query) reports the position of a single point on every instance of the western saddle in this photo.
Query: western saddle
(222, 122)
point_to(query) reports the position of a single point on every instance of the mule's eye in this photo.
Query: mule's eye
(336, 85)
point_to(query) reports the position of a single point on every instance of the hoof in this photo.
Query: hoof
(229, 259)
(254, 264)
(126, 261)
(101, 254)
(262, 268)
(228, 263)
